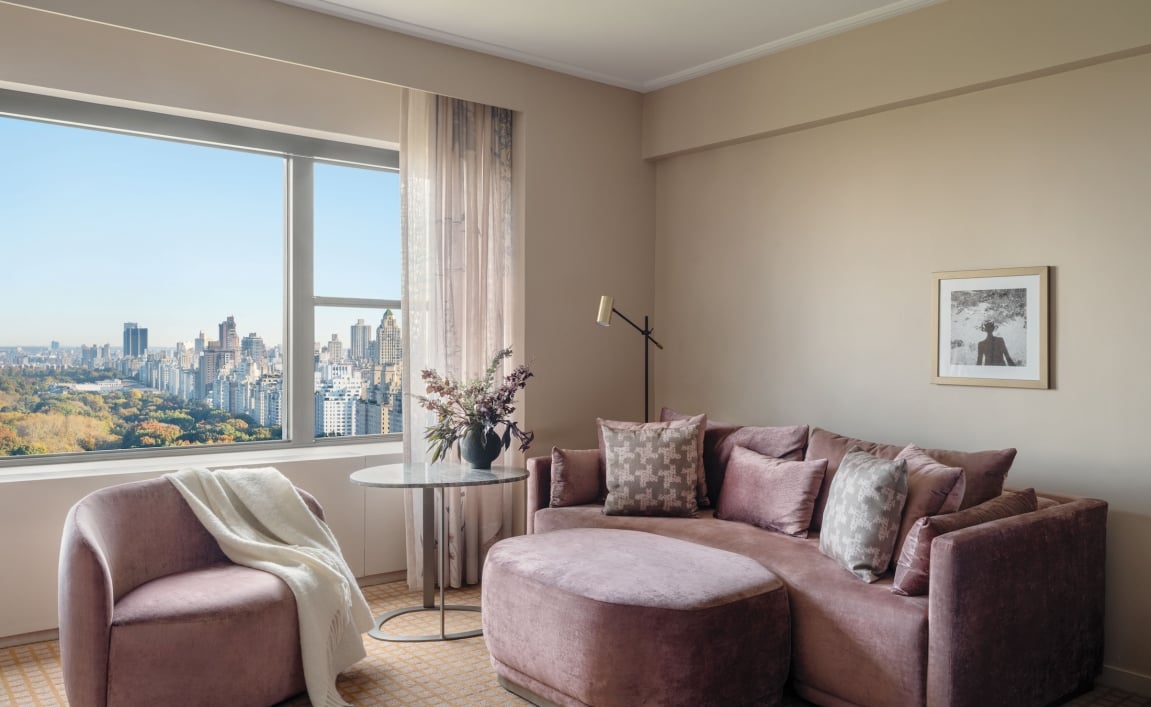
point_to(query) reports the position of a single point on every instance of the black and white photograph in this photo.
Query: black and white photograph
(990, 327)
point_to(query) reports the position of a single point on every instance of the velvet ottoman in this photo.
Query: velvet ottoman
(603, 617)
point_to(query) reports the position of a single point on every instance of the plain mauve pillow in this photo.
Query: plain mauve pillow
(770, 493)
(932, 489)
(575, 477)
(913, 570)
(701, 420)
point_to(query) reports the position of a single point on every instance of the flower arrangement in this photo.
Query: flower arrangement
(477, 404)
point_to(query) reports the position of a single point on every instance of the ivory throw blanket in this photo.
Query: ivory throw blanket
(261, 522)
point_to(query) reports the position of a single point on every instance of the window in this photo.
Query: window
(172, 282)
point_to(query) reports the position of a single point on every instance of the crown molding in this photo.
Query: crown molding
(337, 9)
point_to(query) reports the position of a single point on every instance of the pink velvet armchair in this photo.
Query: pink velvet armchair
(153, 613)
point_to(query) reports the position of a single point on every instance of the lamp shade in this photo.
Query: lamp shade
(605, 309)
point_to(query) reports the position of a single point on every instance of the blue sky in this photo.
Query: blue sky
(98, 229)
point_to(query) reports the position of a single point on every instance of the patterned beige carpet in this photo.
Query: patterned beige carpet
(437, 673)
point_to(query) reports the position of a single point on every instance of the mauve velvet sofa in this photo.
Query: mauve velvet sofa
(1013, 616)
(153, 613)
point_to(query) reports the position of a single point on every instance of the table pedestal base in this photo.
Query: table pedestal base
(378, 631)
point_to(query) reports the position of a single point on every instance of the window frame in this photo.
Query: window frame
(300, 153)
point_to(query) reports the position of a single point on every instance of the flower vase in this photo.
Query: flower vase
(480, 450)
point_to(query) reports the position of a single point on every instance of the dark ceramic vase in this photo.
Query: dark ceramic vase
(480, 450)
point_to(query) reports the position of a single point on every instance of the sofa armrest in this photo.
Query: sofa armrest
(539, 488)
(1016, 608)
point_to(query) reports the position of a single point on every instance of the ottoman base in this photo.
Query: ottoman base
(616, 617)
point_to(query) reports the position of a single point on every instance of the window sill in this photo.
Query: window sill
(152, 465)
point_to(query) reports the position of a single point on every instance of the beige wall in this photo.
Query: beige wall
(585, 204)
(793, 285)
(947, 47)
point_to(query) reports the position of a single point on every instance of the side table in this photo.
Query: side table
(430, 477)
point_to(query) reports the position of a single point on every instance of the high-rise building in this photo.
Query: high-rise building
(335, 410)
(335, 349)
(361, 338)
(253, 347)
(229, 339)
(135, 340)
(213, 363)
(389, 340)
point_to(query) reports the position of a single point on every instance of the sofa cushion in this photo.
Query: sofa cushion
(575, 477)
(913, 568)
(770, 493)
(192, 627)
(983, 472)
(699, 420)
(864, 506)
(932, 489)
(652, 469)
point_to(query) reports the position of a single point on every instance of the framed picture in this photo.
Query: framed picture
(991, 328)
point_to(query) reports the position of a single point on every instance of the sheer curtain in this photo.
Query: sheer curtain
(456, 186)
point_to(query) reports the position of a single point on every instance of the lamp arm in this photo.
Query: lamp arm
(645, 332)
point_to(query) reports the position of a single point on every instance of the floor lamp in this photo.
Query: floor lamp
(604, 319)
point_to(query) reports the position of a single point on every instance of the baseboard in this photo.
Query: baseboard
(26, 638)
(384, 578)
(1125, 680)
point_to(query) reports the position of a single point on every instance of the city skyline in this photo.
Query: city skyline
(117, 228)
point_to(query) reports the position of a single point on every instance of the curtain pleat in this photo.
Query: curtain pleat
(456, 188)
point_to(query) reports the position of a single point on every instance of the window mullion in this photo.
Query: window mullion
(300, 415)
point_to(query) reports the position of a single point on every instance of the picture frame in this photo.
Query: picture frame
(991, 328)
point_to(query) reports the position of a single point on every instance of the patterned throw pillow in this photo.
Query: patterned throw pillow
(864, 506)
(652, 470)
(698, 421)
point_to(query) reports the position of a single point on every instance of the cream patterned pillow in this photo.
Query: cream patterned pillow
(652, 470)
(864, 505)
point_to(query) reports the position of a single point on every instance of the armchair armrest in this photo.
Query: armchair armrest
(85, 612)
(1016, 608)
(539, 494)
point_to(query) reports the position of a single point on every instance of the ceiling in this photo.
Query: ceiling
(638, 44)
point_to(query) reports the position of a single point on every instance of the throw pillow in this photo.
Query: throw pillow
(913, 570)
(780, 442)
(651, 470)
(861, 523)
(575, 477)
(932, 489)
(700, 420)
(770, 493)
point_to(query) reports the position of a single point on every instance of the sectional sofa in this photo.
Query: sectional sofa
(1013, 614)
